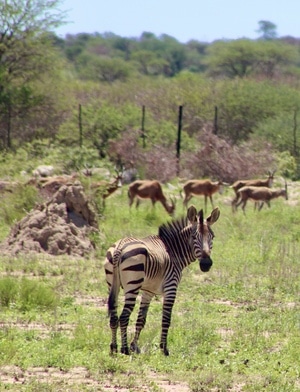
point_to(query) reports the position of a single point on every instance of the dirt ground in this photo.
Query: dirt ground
(73, 220)
(76, 377)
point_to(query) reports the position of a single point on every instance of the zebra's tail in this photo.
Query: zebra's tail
(115, 287)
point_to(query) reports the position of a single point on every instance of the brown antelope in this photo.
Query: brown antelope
(105, 188)
(202, 187)
(268, 182)
(259, 194)
(147, 189)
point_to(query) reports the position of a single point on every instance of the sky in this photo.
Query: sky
(202, 20)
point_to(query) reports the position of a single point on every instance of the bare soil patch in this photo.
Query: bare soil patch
(80, 376)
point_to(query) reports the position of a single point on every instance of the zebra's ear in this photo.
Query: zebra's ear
(214, 216)
(192, 214)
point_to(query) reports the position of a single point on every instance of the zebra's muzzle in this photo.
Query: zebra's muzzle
(205, 263)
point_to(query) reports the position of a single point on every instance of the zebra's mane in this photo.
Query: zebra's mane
(172, 228)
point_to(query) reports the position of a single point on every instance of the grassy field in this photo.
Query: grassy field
(235, 328)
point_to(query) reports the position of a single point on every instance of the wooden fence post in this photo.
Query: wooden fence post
(178, 144)
(216, 121)
(143, 127)
(80, 125)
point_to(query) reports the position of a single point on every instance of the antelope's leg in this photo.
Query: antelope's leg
(168, 303)
(261, 205)
(234, 202)
(211, 200)
(131, 199)
(187, 198)
(141, 320)
(244, 205)
(238, 203)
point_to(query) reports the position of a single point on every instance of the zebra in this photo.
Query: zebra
(154, 265)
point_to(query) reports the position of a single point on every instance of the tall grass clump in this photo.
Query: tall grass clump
(26, 294)
(36, 295)
(8, 291)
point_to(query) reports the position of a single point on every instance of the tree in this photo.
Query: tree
(174, 54)
(243, 57)
(148, 63)
(232, 58)
(26, 53)
(245, 104)
(105, 69)
(267, 29)
(273, 57)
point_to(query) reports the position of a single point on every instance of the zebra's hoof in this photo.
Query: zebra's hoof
(164, 349)
(124, 350)
(113, 348)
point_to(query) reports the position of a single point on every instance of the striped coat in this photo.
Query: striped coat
(154, 265)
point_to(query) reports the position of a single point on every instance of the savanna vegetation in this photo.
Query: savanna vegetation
(77, 103)
(84, 94)
(235, 328)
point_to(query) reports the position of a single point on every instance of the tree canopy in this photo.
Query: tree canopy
(231, 89)
(26, 53)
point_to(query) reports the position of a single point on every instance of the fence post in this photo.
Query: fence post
(295, 132)
(178, 144)
(143, 127)
(80, 125)
(216, 121)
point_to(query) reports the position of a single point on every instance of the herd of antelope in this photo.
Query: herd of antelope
(258, 190)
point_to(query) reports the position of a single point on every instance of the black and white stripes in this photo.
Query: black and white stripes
(153, 265)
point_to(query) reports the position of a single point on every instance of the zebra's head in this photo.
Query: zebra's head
(203, 235)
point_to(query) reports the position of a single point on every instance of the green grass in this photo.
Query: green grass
(235, 328)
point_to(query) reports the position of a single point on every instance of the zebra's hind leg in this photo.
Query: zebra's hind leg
(141, 320)
(114, 321)
(124, 320)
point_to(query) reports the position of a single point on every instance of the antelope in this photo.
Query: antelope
(147, 189)
(202, 187)
(105, 188)
(259, 194)
(268, 182)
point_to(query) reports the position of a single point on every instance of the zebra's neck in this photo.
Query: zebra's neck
(176, 238)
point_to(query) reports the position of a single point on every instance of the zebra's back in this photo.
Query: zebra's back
(147, 257)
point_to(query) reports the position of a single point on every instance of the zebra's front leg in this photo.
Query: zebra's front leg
(168, 303)
(141, 320)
